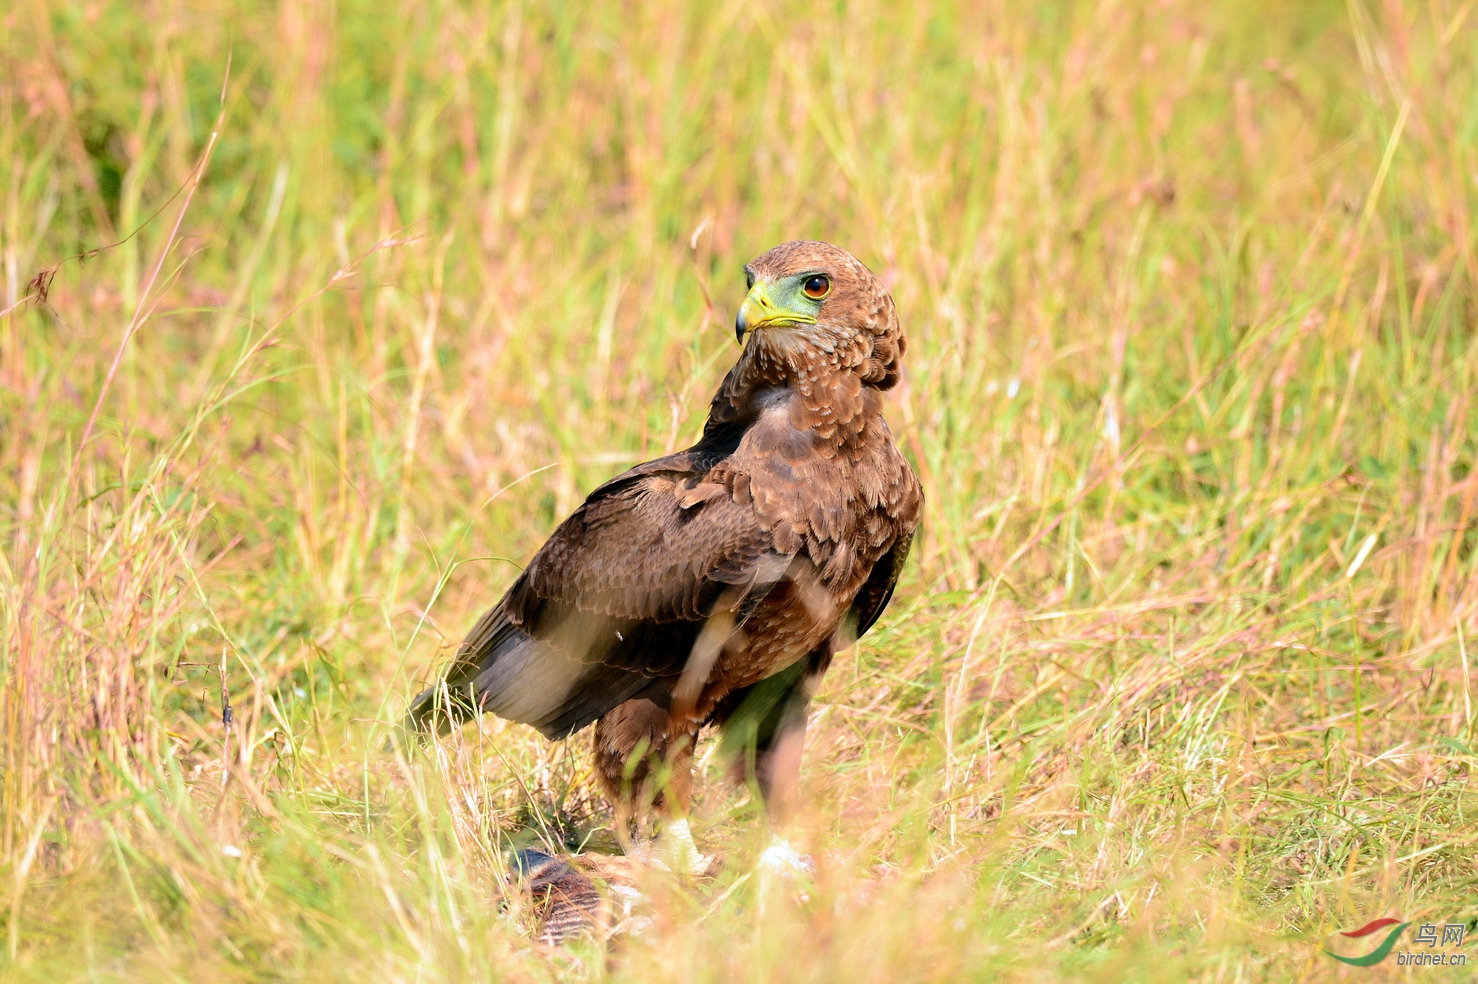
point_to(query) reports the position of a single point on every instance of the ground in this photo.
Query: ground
(1177, 685)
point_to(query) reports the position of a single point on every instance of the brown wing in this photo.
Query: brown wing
(876, 591)
(657, 544)
(611, 606)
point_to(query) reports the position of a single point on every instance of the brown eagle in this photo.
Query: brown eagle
(714, 585)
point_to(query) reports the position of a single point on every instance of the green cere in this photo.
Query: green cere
(789, 300)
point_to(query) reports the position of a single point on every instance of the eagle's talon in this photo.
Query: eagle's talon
(673, 850)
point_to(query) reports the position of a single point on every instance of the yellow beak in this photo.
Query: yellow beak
(760, 310)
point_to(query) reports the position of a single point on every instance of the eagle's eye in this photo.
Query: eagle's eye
(817, 287)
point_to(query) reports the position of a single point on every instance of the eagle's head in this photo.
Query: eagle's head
(813, 310)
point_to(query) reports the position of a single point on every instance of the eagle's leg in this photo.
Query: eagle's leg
(765, 731)
(645, 766)
(776, 765)
(777, 773)
(767, 723)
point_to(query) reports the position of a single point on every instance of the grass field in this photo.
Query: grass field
(1178, 684)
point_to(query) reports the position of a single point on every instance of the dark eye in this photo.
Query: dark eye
(817, 287)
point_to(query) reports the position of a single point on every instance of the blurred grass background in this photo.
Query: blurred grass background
(1179, 680)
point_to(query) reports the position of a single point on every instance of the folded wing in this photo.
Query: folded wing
(614, 603)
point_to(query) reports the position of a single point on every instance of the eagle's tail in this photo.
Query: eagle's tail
(502, 669)
(454, 698)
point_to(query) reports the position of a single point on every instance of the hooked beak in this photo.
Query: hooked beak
(760, 310)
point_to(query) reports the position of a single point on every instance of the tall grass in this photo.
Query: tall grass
(1178, 684)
